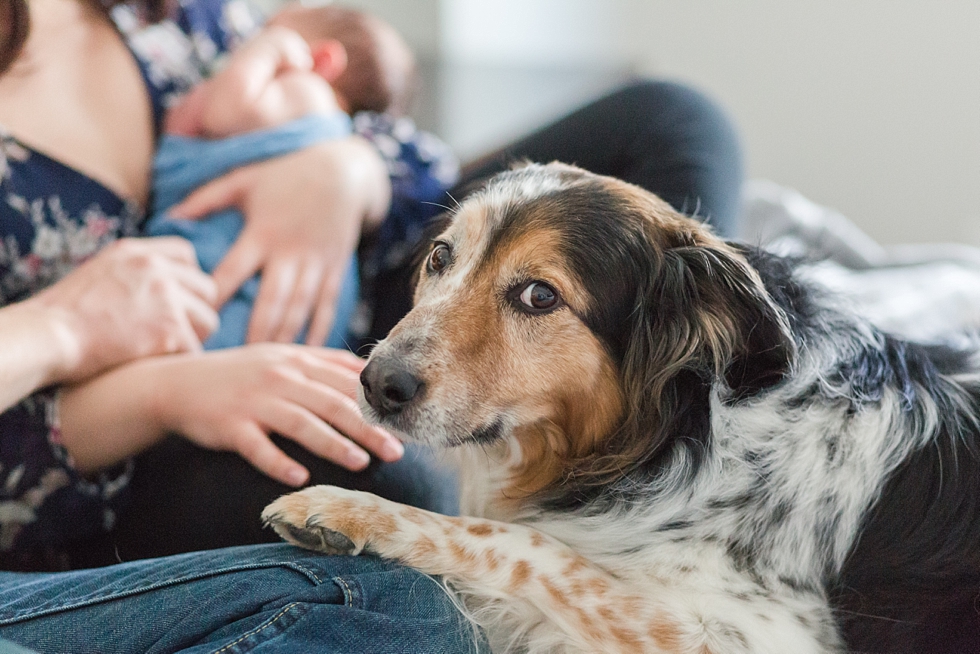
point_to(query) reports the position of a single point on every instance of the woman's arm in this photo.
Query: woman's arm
(135, 298)
(33, 354)
(304, 213)
(227, 400)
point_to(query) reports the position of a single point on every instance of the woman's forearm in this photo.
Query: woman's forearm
(226, 400)
(366, 174)
(35, 350)
(112, 417)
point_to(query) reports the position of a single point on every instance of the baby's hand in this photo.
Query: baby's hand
(276, 45)
(255, 90)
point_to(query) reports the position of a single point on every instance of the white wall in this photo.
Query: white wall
(869, 106)
(419, 21)
(536, 32)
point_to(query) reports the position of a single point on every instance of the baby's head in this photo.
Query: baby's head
(380, 71)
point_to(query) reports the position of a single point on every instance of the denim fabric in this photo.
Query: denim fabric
(7, 647)
(264, 598)
(666, 137)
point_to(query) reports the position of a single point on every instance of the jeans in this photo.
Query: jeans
(262, 598)
(662, 136)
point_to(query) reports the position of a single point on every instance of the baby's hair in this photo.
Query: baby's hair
(374, 80)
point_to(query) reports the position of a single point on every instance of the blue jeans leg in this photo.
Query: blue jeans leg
(265, 599)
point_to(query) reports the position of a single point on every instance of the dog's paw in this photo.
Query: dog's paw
(322, 518)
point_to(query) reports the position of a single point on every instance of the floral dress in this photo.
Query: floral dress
(52, 218)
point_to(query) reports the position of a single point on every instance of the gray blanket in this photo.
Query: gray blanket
(928, 292)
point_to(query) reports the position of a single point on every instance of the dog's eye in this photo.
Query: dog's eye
(439, 258)
(538, 296)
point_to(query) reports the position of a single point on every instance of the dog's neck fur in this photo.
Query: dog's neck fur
(801, 495)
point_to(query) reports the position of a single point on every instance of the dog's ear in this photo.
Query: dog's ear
(701, 315)
(704, 315)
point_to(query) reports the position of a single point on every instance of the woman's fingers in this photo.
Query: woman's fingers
(275, 288)
(343, 358)
(222, 193)
(335, 407)
(306, 428)
(197, 282)
(243, 260)
(254, 445)
(202, 317)
(297, 310)
(325, 310)
(232, 399)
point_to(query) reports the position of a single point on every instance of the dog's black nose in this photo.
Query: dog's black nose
(388, 387)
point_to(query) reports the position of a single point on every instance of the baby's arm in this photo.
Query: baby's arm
(267, 82)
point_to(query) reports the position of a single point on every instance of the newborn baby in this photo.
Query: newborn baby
(278, 93)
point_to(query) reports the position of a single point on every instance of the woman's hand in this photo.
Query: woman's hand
(135, 298)
(228, 400)
(304, 213)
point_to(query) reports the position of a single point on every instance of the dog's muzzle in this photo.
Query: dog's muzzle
(389, 386)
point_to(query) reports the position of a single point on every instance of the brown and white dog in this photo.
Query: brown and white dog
(667, 443)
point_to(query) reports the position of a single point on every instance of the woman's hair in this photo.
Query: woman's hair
(15, 23)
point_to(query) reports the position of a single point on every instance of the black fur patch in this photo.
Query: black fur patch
(913, 579)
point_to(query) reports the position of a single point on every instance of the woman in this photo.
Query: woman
(115, 324)
(119, 335)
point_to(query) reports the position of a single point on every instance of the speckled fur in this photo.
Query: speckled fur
(680, 458)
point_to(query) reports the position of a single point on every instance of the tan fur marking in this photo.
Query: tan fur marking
(462, 555)
(598, 585)
(416, 517)
(576, 564)
(629, 639)
(520, 574)
(493, 560)
(480, 529)
(665, 634)
(555, 593)
(537, 540)
(631, 607)
(588, 624)
(424, 546)
(606, 614)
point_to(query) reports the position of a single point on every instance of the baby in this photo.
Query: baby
(292, 85)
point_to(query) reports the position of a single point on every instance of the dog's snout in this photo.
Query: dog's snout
(389, 387)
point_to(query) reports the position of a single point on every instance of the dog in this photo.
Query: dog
(666, 442)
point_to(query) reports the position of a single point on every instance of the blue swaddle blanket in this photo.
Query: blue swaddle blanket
(182, 164)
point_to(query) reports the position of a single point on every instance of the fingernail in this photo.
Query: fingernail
(297, 476)
(357, 459)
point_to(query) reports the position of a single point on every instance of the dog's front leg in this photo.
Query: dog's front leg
(497, 566)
